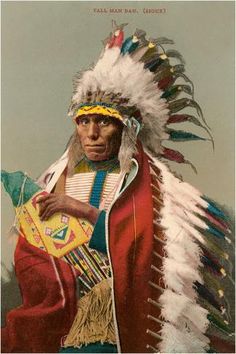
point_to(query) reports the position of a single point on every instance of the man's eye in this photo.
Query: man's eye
(104, 121)
(84, 121)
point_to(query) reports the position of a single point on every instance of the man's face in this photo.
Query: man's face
(100, 136)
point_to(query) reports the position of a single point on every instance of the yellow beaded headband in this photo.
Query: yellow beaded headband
(98, 108)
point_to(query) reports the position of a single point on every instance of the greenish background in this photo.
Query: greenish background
(45, 43)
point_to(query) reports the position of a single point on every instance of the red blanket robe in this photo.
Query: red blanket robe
(48, 285)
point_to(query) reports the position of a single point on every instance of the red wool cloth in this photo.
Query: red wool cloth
(39, 324)
(132, 244)
(49, 291)
(49, 303)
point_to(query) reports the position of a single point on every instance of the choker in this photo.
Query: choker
(108, 165)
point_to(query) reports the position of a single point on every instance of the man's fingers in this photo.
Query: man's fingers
(44, 205)
(48, 211)
(45, 198)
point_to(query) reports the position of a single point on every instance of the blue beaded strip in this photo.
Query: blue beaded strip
(96, 193)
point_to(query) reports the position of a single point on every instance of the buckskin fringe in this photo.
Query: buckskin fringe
(94, 318)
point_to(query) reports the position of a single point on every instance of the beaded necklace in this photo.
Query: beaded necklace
(102, 168)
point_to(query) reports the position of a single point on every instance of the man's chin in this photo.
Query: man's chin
(96, 157)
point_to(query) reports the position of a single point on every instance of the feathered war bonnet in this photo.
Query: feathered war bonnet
(135, 82)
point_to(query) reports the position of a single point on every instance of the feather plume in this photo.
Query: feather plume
(181, 340)
(161, 40)
(186, 308)
(180, 118)
(171, 53)
(177, 274)
(174, 91)
(180, 135)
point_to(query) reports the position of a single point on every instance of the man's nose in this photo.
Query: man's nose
(93, 131)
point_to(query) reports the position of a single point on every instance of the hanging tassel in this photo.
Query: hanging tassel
(180, 135)
(94, 319)
(176, 156)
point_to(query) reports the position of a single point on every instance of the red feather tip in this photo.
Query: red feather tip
(177, 118)
(173, 155)
(116, 40)
(220, 223)
(176, 156)
(164, 83)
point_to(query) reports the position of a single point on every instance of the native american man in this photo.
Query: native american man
(154, 255)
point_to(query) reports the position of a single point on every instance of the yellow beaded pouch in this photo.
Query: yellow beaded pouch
(57, 236)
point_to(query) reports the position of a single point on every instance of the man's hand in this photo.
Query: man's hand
(54, 203)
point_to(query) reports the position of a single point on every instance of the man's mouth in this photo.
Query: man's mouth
(94, 147)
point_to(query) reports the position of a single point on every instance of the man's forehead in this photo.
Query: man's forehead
(93, 116)
(98, 117)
